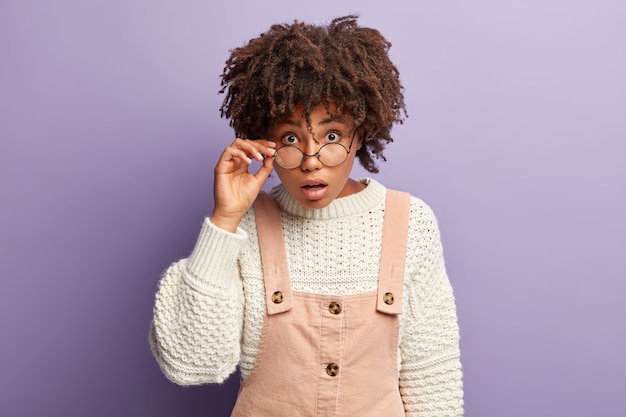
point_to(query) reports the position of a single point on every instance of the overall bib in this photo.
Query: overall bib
(324, 355)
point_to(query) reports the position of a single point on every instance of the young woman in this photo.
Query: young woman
(329, 293)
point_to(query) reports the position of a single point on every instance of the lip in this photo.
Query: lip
(314, 189)
(312, 182)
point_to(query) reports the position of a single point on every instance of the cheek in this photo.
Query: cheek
(283, 174)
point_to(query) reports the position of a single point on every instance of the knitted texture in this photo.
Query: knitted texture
(210, 308)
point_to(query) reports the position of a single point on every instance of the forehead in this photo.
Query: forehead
(319, 114)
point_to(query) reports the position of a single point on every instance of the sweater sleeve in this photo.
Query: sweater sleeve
(430, 370)
(198, 313)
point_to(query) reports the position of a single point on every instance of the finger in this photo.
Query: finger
(266, 143)
(255, 148)
(257, 142)
(232, 153)
(265, 170)
(232, 163)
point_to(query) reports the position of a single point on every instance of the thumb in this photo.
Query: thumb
(265, 170)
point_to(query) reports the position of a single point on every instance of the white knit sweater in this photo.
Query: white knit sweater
(210, 307)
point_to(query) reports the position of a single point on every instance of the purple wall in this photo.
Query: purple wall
(109, 130)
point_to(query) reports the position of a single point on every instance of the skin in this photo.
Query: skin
(313, 184)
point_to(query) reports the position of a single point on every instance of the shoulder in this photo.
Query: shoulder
(424, 237)
(423, 225)
(421, 214)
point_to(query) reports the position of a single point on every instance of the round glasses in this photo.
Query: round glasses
(330, 154)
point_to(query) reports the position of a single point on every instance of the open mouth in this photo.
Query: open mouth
(314, 190)
(314, 187)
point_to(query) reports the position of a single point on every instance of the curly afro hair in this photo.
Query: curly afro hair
(308, 65)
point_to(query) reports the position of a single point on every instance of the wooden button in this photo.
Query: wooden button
(332, 369)
(388, 298)
(334, 307)
(278, 297)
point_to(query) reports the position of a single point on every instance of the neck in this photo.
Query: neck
(367, 194)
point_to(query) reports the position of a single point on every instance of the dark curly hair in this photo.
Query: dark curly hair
(303, 64)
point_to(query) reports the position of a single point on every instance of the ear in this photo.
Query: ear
(360, 137)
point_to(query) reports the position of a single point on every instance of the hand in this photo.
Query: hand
(235, 188)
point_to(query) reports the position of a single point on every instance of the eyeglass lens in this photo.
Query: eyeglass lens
(331, 154)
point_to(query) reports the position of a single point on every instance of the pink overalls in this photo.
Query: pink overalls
(324, 355)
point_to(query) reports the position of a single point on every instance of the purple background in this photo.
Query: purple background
(109, 130)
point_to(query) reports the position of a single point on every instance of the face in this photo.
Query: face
(313, 184)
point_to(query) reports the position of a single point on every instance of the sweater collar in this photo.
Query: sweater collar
(368, 198)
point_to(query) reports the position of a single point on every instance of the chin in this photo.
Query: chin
(316, 204)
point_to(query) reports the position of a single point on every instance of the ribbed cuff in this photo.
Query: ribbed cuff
(433, 391)
(214, 258)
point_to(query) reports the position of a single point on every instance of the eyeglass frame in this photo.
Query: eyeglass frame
(306, 155)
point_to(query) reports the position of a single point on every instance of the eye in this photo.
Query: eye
(332, 137)
(290, 139)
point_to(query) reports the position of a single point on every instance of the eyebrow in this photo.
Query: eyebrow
(322, 122)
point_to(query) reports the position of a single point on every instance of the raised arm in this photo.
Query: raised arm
(198, 314)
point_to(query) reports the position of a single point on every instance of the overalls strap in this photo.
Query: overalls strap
(278, 295)
(393, 252)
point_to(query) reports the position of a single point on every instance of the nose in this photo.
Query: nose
(311, 160)
(311, 163)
